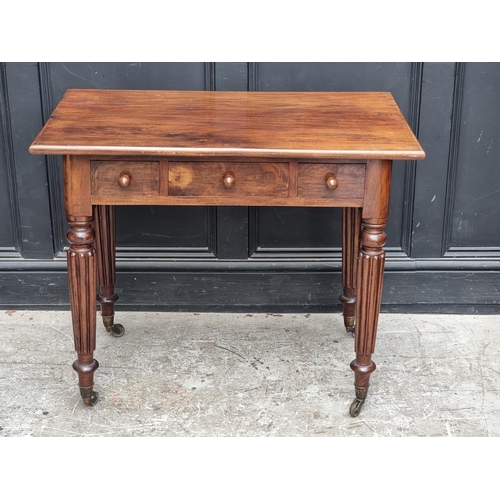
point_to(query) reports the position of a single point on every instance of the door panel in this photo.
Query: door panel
(475, 225)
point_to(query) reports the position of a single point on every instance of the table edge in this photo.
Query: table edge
(226, 152)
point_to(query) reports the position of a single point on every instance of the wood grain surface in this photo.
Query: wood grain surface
(206, 179)
(312, 177)
(144, 178)
(355, 125)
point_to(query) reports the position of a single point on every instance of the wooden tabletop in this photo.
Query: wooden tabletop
(351, 125)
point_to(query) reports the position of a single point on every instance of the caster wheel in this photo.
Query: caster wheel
(92, 401)
(351, 330)
(356, 407)
(117, 330)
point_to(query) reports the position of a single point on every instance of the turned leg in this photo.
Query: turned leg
(82, 287)
(370, 273)
(105, 246)
(370, 277)
(351, 225)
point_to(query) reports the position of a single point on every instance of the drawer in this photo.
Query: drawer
(331, 180)
(125, 178)
(228, 179)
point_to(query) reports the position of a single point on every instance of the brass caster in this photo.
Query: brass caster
(89, 396)
(92, 401)
(356, 407)
(117, 330)
(108, 322)
(351, 330)
(349, 323)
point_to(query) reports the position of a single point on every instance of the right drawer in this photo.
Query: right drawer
(331, 180)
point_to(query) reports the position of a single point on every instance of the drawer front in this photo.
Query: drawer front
(125, 178)
(228, 179)
(335, 180)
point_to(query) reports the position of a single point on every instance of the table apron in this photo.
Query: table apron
(227, 183)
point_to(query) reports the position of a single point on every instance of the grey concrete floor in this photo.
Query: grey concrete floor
(185, 374)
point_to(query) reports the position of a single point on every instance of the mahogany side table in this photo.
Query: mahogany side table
(314, 149)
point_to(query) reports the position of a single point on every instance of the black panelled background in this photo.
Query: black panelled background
(443, 249)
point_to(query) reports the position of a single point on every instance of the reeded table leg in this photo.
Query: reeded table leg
(370, 274)
(351, 225)
(82, 287)
(370, 277)
(105, 245)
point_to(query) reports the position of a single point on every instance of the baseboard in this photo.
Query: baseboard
(280, 291)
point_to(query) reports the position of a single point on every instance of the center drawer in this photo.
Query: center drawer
(227, 179)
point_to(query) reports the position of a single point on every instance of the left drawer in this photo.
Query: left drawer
(120, 179)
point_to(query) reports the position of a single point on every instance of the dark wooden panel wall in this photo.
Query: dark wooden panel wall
(443, 235)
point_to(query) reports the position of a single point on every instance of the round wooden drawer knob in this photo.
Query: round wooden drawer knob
(124, 180)
(331, 181)
(229, 180)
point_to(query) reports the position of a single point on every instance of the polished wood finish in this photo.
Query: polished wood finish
(77, 188)
(265, 182)
(285, 124)
(226, 148)
(209, 179)
(116, 178)
(82, 286)
(314, 179)
(81, 271)
(105, 249)
(331, 181)
(229, 180)
(124, 180)
(351, 227)
(370, 274)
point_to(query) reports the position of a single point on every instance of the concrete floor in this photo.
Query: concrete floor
(184, 374)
